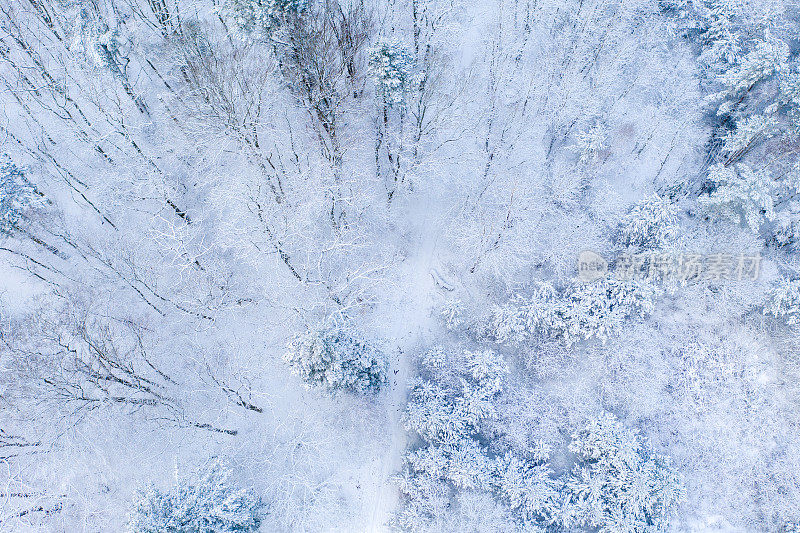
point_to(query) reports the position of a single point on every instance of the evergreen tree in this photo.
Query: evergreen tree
(652, 223)
(209, 503)
(723, 46)
(391, 64)
(784, 301)
(618, 486)
(18, 196)
(260, 18)
(334, 357)
(447, 411)
(528, 487)
(580, 312)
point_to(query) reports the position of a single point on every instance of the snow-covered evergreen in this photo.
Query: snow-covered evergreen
(580, 312)
(333, 356)
(18, 196)
(209, 502)
(618, 485)
(392, 66)
(259, 18)
(784, 301)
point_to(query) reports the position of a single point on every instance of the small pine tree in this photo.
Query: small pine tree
(618, 486)
(17, 196)
(334, 357)
(208, 504)
(391, 64)
(652, 223)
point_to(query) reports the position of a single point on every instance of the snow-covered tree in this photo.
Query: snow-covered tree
(528, 486)
(741, 195)
(391, 64)
(447, 411)
(652, 223)
(748, 131)
(444, 410)
(335, 357)
(618, 485)
(209, 502)
(462, 462)
(722, 39)
(580, 312)
(754, 97)
(784, 301)
(590, 143)
(259, 18)
(18, 196)
(767, 57)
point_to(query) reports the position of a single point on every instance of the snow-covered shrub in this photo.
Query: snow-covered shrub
(784, 301)
(210, 503)
(333, 356)
(581, 312)
(17, 196)
(652, 223)
(258, 18)
(741, 194)
(391, 64)
(618, 486)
